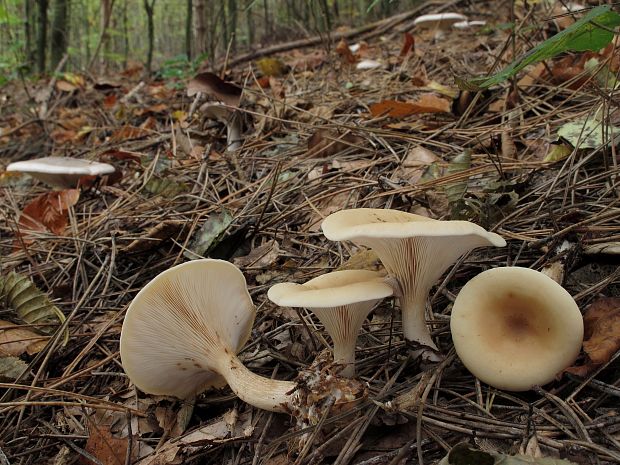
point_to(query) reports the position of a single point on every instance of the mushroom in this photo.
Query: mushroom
(414, 249)
(62, 172)
(515, 328)
(230, 117)
(440, 22)
(341, 300)
(183, 330)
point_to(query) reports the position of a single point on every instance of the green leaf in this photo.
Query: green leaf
(209, 235)
(30, 304)
(588, 133)
(592, 32)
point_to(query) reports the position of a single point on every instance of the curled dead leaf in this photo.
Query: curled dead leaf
(428, 103)
(49, 211)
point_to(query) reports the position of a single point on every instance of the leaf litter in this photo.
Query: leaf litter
(258, 207)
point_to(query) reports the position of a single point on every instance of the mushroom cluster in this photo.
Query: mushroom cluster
(183, 331)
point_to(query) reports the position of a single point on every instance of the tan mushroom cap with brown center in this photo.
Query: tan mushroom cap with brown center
(515, 328)
(414, 249)
(341, 300)
(64, 172)
(183, 330)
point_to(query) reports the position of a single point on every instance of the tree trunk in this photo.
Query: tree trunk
(149, 7)
(60, 31)
(250, 23)
(200, 29)
(41, 35)
(106, 14)
(28, 28)
(232, 14)
(188, 30)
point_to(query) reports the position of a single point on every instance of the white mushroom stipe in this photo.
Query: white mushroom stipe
(341, 300)
(183, 330)
(414, 249)
(62, 172)
(230, 117)
(515, 328)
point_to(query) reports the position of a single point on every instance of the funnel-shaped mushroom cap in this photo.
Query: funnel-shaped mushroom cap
(180, 326)
(62, 172)
(414, 249)
(341, 300)
(515, 328)
(211, 84)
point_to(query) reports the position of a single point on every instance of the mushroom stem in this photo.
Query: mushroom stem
(344, 354)
(264, 393)
(414, 321)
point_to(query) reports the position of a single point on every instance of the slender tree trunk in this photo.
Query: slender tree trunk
(125, 35)
(267, 18)
(41, 35)
(200, 29)
(59, 31)
(150, 7)
(106, 14)
(188, 30)
(86, 24)
(28, 28)
(232, 14)
(250, 23)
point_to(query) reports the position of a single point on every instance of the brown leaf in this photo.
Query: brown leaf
(49, 211)
(601, 334)
(327, 143)
(428, 103)
(345, 52)
(15, 340)
(407, 45)
(104, 447)
(416, 163)
(211, 84)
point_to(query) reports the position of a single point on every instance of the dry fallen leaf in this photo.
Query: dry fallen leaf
(327, 143)
(345, 52)
(104, 447)
(416, 163)
(408, 45)
(15, 340)
(428, 103)
(49, 211)
(601, 334)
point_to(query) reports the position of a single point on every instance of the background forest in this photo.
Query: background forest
(173, 34)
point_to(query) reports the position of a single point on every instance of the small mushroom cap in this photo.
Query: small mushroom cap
(439, 20)
(182, 324)
(515, 328)
(60, 171)
(332, 290)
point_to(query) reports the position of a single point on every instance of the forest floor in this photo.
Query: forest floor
(316, 140)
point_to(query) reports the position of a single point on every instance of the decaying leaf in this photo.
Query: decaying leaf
(466, 454)
(365, 259)
(49, 212)
(260, 257)
(345, 52)
(209, 234)
(11, 368)
(15, 340)
(154, 236)
(588, 133)
(165, 187)
(416, 163)
(456, 190)
(601, 334)
(30, 304)
(272, 67)
(428, 103)
(408, 45)
(106, 448)
(327, 143)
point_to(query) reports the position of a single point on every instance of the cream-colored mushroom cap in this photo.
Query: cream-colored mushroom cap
(515, 328)
(181, 318)
(439, 20)
(62, 172)
(414, 249)
(341, 300)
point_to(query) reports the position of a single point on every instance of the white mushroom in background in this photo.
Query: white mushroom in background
(61, 172)
(183, 330)
(515, 328)
(341, 300)
(439, 22)
(414, 249)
